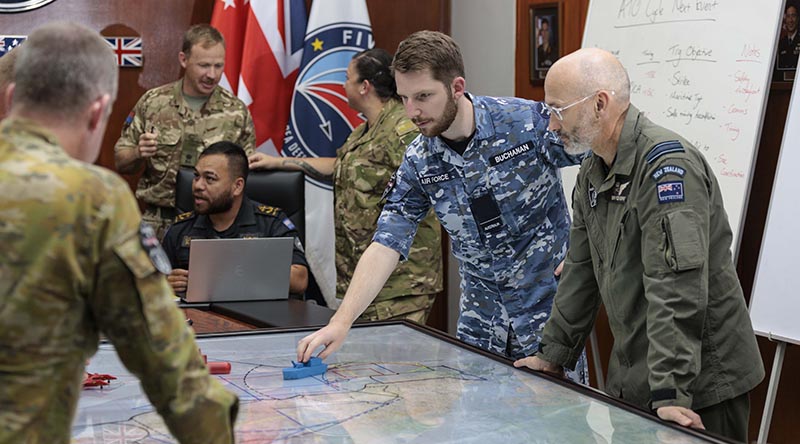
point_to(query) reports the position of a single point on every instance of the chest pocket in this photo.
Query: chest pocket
(168, 141)
(522, 188)
(445, 190)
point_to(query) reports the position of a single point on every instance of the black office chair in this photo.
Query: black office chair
(282, 189)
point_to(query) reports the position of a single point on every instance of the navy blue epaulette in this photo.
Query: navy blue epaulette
(660, 149)
(268, 210)
(184, 216)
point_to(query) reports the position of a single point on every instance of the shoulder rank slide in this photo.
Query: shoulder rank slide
(184, 216)
(671, 146)
(404, 127)
(268, 210)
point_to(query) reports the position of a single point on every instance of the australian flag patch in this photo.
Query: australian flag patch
(669, 192)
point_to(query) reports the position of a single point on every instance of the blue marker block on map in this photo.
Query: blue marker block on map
(313, 367)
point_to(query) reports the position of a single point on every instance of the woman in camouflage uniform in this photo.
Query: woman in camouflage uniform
(360, 172)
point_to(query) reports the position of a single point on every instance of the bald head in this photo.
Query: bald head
(588, 70)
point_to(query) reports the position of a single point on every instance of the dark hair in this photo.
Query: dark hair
(237, 158)
(202, 34)
(430, 50)
(375, 65)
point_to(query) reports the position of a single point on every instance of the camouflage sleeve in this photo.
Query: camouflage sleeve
(133, 127)
(406, 205)
(247, 136)
(133, 306)
(577, 299)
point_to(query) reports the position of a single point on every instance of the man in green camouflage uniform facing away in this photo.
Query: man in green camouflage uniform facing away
(171, 125)
(76, 262)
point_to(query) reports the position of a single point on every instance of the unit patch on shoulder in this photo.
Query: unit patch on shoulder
(157, 255)
(671, 146)
(668, 169)
(288, 223)
(268, 210)
(128, 120)
(669, 192)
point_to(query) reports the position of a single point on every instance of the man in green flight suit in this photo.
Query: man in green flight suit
(76, 262)
(171, 125)
(650, 239)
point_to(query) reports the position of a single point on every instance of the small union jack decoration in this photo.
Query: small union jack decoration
(9, 42)
(127, 50)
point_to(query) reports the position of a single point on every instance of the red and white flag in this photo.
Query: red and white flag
(264, 47)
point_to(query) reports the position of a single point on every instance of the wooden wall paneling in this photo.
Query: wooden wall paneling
(572, 20)
(392, 21)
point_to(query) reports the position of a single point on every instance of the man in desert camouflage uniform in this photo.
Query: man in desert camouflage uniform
(76, 262)
(490, 170)
(171, 125)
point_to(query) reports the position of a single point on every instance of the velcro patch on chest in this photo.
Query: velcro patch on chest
(511, 154)
(435, 178)
(669, 192)
(666, 170)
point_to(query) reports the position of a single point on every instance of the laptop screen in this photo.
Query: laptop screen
(239, 269)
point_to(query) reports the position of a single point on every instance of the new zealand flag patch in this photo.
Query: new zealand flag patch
(669, 192)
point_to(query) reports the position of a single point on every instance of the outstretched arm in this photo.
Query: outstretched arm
(372, 271)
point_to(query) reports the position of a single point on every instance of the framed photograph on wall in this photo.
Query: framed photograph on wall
(545, 29)
(788, 44)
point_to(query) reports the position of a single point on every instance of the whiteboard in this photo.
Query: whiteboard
(700, 68)
(775, 302)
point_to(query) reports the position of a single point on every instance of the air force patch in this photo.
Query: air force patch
(669, 192)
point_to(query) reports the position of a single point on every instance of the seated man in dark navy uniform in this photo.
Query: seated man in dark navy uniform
(222, 211)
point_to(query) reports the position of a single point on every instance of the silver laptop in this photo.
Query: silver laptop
(239, 269)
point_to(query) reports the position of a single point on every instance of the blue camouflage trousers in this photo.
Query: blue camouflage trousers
(486, 322)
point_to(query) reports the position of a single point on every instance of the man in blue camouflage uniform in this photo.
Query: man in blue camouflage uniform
(489, 169)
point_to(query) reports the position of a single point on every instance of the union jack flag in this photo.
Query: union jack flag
(128, 50)
(9, 42)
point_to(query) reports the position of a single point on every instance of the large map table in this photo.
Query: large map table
(390, 382)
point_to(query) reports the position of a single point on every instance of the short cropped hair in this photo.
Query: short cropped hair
(430, 50)
(62, 68)
(238, 165)
(203, 34)
(375, 65)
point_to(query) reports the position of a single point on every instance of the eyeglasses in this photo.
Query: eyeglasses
(558, 110)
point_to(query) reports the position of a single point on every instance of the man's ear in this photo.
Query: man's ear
(182, 59)
(238, 186)
(8, 96)
(602, 102)
(458, 87)
(97, 111)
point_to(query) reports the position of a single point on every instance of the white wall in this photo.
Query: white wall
(485, 30)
